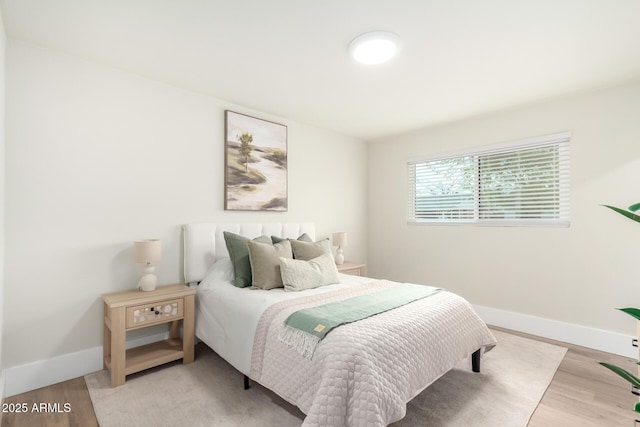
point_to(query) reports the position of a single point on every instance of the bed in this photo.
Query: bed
(362, 373)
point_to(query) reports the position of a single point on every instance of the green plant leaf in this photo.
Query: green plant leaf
(634, 207)
(635, 312)
(628, 214)
(636, 407)
(624, 374)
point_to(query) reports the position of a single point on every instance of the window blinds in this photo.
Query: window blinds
(520, 183)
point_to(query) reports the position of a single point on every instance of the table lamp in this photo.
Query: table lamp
(340, 240)
(146, 252)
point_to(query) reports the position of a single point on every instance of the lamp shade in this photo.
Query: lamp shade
(340, 239)
(147, 251)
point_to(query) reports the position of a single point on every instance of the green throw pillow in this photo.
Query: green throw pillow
(239, 254)
(304, 237)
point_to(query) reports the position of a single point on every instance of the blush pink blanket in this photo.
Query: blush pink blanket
(364, 373)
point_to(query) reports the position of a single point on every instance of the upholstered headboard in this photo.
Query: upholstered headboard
(204, 243)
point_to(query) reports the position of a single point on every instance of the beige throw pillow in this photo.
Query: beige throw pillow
(265, 263)
(298, 275)
(308, 250)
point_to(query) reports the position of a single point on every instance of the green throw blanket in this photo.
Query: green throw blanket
(305, 328)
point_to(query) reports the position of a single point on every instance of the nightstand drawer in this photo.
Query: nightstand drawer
(158, 312)
(352, 272)
(352, 268)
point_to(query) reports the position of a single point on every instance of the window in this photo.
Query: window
(521, 183)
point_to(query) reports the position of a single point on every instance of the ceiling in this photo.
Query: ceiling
(459, 58)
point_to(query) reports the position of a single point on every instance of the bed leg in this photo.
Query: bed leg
(247, 383)
(475, 361)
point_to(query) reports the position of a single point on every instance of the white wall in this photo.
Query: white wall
(2, 182)
(97, 158)
(574, 275)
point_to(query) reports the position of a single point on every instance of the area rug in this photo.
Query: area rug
(209, 392)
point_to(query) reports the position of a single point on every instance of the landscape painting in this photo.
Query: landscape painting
(255, 164)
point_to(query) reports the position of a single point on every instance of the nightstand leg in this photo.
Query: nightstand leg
(118, 356)
(188, 331)
(106, 339)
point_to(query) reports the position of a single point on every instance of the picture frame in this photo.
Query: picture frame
(255, 176)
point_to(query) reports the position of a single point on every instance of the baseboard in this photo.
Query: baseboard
(1, 387)
(1, 392)
(34, 375)
(597, 339)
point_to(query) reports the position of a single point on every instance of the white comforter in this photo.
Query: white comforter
(364, 373)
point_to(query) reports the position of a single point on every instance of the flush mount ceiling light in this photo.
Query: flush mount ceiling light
(374, 47)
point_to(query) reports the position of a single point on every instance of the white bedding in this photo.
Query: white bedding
(227, 316)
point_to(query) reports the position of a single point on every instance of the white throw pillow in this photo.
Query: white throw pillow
(298, 275)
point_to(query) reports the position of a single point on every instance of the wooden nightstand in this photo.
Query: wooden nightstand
(352, 268)
(126, 311)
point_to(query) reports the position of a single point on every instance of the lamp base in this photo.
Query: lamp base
(149, 280)
(339, 256)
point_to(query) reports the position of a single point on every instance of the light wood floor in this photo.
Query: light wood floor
(582, 394)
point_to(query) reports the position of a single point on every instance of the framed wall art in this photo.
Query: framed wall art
(255, 164)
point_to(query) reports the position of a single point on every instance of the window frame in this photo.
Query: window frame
(561, 140)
